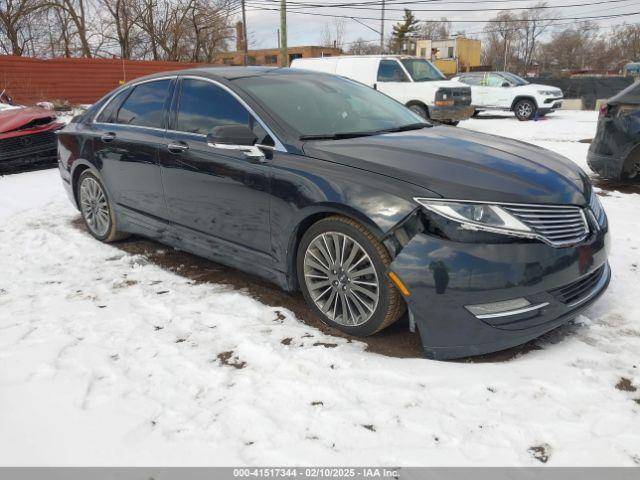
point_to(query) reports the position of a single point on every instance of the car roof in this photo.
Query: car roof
(228, 73)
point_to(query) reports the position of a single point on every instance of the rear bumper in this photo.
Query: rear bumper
(444, 277)
(607, 166)
(455, 113)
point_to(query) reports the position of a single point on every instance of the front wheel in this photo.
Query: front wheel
(420, 110)
(341, 270)
(524, 110)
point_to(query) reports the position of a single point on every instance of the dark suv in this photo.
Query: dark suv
(319, 183)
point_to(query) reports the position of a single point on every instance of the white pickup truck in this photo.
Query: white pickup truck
(507, 91)
(413, 81)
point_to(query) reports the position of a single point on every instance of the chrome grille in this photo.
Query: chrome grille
(581, 290)
(557, 225)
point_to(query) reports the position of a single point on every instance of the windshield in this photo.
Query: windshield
(515, 79)
(326, 105)
(422, 70)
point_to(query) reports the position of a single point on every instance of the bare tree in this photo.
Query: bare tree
(332, 34)
(532, 25)
(435, 30)
(499, 39)
(363, 47)
(15, 19)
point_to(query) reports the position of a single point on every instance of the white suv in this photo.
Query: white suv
(506, 91)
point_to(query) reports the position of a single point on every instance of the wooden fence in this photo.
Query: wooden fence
(76, 80)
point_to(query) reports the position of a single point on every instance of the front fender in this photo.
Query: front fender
(305, 188)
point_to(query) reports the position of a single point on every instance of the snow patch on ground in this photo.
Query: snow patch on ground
(106, 359)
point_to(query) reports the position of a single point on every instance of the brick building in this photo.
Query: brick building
(270, 56)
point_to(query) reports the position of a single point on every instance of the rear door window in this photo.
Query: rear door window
(391, 71)
(108, 114)
(145, 105)
(474, 80)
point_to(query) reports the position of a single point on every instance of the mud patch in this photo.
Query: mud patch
(286, 341)
(370, 427)
(540, 452)
(325, 345)
(614, 186)
(625, 385)
(227, 358)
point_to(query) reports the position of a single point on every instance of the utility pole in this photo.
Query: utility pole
(284, 56)
(245, 56)
(382, 29)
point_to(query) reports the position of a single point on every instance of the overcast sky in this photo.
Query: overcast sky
(306, 29)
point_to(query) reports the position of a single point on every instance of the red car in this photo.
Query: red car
(27, 137)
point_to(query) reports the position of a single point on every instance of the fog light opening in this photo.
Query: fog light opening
(504, 308)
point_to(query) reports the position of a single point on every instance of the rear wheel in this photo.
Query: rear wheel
(524, 110)
(96, 209)
(631, 168)
(341, 270)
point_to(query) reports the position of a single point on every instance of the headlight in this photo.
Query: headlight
(478, 216)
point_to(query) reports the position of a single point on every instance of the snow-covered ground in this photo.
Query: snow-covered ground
(106, 359)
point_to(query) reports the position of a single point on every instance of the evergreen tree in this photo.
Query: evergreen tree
(403, 30)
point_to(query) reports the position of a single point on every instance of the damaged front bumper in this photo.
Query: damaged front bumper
(29, 149)
(445, 278)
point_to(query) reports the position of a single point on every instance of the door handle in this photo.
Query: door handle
(177, 147)
(108, 137)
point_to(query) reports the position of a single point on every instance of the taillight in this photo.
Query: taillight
(604, 110)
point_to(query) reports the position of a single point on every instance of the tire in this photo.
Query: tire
(420, 110)
(96, 209)
(339, 294)
(524, 110)
(631, 167)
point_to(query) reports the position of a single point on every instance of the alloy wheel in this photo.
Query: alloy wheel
(341, 279)
(524, 110)
(95, 208)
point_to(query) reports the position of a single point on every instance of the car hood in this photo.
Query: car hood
(537, 86)
(444, 84)
(457, 163)
(17, 118)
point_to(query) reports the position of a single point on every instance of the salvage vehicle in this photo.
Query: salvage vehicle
(413, 81)
(27, 137)
(507, 91)
(319, 183)
(615, 151)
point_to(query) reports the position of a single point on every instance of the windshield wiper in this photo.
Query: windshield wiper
(341, 135)
(337, 136)
(405, 128)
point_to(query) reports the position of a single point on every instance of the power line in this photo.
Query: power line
(356, 6)
(492, 20)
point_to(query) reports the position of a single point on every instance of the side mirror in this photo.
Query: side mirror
(236, 137)
(232, 135)
(506, 84)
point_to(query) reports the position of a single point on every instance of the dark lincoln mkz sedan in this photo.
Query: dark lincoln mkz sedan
(319, 183)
